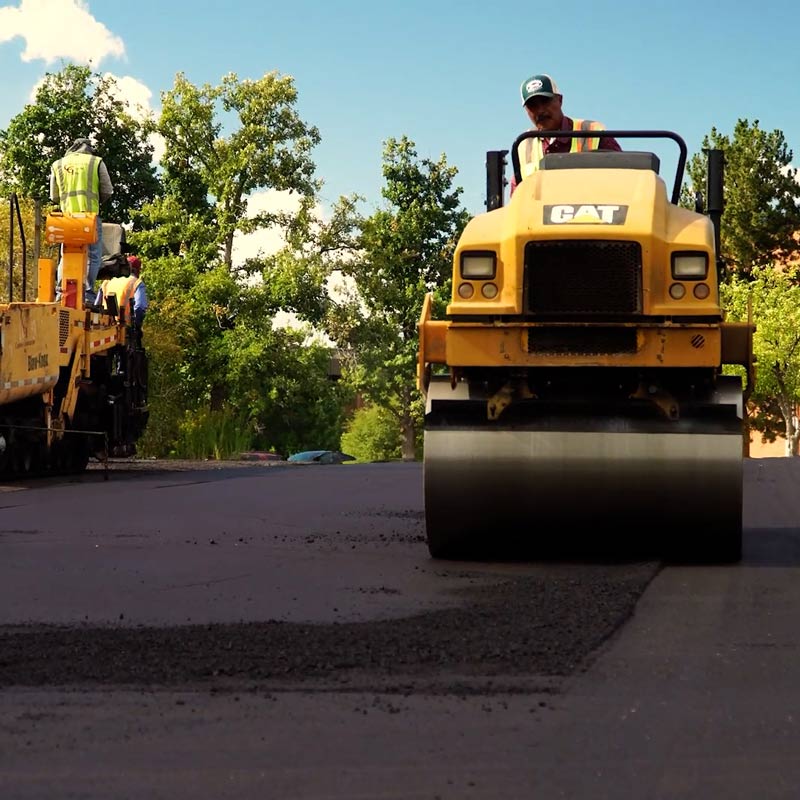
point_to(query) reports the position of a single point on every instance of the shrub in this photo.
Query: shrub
(213, 434)
(372, 434)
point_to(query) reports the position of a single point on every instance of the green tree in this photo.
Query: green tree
(76, 103)
(372, 435)
(297, 278)
(405, 250)
(773, 295)
(762, 196)
(222, 356)
(18, 232)
(267, 146)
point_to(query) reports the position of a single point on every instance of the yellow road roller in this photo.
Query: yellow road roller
(575, 387)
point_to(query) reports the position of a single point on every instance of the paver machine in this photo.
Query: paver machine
(577, 385)
(73, 378)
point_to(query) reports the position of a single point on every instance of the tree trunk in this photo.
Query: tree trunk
(229, 251)
(408, 432)
(792, 434)
(219, 393)
(409, 436)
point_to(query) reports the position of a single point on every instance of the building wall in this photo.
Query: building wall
(759, 449)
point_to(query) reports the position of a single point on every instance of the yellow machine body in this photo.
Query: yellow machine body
(577, 378)
(660, 333)
(67, 387)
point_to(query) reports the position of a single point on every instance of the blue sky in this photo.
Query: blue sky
(445, 73)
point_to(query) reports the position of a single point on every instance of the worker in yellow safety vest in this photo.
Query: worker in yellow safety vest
(125, 289)
(542, 102)
(79, 182)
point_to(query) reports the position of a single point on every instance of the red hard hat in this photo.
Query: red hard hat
(135, 262)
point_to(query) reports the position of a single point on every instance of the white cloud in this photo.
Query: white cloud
(792, 168)
(137, 96)
(269, 241)
(59, 29)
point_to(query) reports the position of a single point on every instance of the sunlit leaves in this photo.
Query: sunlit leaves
(405, 250)
(76, 103)
(762, 195)
(772, 297)
(224, 142)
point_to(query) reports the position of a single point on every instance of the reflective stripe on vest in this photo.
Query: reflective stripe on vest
(78, 180)
(123, 288)
(531, 151)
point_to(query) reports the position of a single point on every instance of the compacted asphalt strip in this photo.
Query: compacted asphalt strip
(273, 574)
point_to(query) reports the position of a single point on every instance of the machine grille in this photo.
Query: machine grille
(63, 327)
(582, 341)
(584, 277)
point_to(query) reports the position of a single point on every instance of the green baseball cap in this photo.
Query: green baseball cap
(538, 86)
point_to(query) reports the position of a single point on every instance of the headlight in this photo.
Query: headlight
(478, 265)
(677, 291)
(690, 266)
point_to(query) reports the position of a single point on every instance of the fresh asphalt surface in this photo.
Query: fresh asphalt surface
(280, 632)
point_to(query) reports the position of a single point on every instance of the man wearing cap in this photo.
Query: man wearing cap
(126, 289)
(79, 182)
(542, 102)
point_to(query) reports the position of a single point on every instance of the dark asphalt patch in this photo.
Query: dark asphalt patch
(547, 625)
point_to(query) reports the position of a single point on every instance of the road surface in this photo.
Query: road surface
(275, 631)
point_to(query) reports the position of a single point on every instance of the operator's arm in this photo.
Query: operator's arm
(609, 143)
(106, 187)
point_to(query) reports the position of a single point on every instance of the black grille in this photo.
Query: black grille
(584, 277)
(63, 327)
(581, 341)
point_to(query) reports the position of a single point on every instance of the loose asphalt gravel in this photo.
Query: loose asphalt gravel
(547, 624)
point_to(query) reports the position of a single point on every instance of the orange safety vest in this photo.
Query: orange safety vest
(531, 152)
(124, 288)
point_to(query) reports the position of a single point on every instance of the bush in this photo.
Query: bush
(372, 434)
(213, 434)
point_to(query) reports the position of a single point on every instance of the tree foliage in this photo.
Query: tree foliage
(17, 248)
(222, 356)
(225, 142)
(762, 196)
(405, 251)
(773, 297)
(76, 103)
(372, 435)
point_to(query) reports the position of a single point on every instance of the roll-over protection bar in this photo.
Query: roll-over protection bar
(715, 178)
(676, 190)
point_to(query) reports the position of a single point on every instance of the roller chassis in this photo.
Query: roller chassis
(569, 427)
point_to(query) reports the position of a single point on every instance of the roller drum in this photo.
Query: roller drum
(644, 484)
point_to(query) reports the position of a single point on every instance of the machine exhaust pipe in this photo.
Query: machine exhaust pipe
(495, 178)
(715, 192)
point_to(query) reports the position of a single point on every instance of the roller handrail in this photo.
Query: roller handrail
(604, 134)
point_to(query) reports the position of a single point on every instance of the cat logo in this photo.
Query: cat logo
(585, 214)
